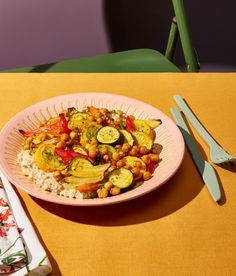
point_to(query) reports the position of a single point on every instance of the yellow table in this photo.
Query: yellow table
(175, 230)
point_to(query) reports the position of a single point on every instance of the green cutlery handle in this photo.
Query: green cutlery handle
(194, 121)
(205, 169)
(188, 138)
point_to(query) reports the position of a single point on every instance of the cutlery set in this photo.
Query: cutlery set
(217, 154)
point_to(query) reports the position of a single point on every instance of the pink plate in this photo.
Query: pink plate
(167, 135)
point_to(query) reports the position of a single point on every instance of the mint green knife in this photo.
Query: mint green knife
(205, 169)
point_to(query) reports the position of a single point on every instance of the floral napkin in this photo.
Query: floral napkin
(21, 253)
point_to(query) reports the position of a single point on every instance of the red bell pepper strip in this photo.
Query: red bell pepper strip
(67, 155)
(130, 126)
(56, 128)
(63, 124)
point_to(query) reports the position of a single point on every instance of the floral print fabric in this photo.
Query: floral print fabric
(20, 249)
(12, 252)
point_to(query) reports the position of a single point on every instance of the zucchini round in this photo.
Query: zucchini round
(89, 133)
(78, 163)
(46, 159)
(78, 120)
(143, 139)
(108, 135)
(121, 177)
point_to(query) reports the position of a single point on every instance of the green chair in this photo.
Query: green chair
(137, 60)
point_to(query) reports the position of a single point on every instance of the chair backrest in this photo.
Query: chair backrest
(179, 29)
(185, 37)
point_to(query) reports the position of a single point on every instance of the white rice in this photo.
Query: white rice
(43, 180)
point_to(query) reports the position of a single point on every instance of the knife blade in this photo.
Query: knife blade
(205, 169)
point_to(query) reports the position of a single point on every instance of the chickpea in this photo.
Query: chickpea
(118, 147)
(87, 146)
(138, 177)
(94, 142)
(91, 118)
(97, 115)
(133, 151)
(103, 150)
(99, 120)
(104, 111)
(108, 185)
(113, 162)
(118, 121)
(122, 154)
(109, 121)
(92, 152)
(137, 164)
(120, 163)
(65, 137)
(125, 147)
(146, 159)
(116, 156)
(143, 150)
(135, 171)
(146, 175)
(106, 157)
(154, 158)
(120, 113)
(57, 174)
(115, 190)
(61, 145)
(73, 135)
(136, 147)
(102, 192)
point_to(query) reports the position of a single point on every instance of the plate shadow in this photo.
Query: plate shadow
(170, 197)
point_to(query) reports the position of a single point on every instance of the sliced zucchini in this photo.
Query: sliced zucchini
(89, 133)
(78, 116)
(141, 125)
(80, 149)
(121, 177)
(90, 171)
(78, 163)
(77, 124)
(108, 135)
(130, 161)
(128, 137)
(153, 123)
(143, 139)
(78, 120)
(109, 148)
(46, 159)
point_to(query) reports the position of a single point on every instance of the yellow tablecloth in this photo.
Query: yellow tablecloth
(175, 230)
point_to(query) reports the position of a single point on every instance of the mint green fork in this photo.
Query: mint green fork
(217, 154)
